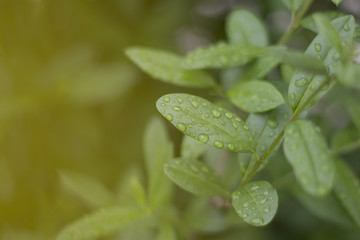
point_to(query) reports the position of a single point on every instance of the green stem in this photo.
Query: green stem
(295, 23)
(249, 174)
(347, 148)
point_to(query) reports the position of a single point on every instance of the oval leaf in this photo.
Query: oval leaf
(303, 84)
(242, 26)
(255, 96)
(100, 223)
(205, 122)
(195, 177)
(256, 203)
(306, 150)
(166, 67)
(222, 55)
(347, 188)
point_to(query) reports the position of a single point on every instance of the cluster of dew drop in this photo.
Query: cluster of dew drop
(190, 114)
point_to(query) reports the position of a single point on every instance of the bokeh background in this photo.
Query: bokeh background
(71, 100)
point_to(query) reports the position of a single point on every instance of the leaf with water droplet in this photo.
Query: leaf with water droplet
(293, 5)
(166, 67)
(328, 32)
(101, 223)
(209, 123)
(347, 189)
(299, 95)
(195, 177)
(87, 188)
(256, 203)
(305, 149)
(222, 55)
(255, 96)
(191, 148)
(158, 149)
(243, 26)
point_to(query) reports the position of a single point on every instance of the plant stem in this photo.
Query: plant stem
(347, 148)
(248, 175)
(295, 22)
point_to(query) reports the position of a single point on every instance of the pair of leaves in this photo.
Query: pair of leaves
(307, 153)
(304, 84)
(206, 122)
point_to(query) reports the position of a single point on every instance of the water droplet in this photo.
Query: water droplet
(301, 82)
(230, 146)
(235, 125)
(271, 134)
(218, 144)
(238, 119)
(246, 126)
(318, 56)
(266, 193)
(256, 221)
(207, 115)
(163, 104)
(215, 113)
(193, 120)
(267, 210)
(263, 201)
(169, 117)
(180, 100)
(272, 123)
(181, 127)
(346, 27)
(176, 108)
(204, 104)
(246, 204)
(262, 148)
(189, 125)
(166, 99)
(254, 188)
(229, 115)
(195, 104)
(222, 122)
(292, 96)
(317, 47)
(179, 116)
(244, 215)
(203, 138)
(194, 168)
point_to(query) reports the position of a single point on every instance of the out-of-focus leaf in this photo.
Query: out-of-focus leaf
(206, 122)
(343, 139)
(287, 71)
(305, 149)
(195, 177)
(256, 203)
(101, 223)
(293, 5)
(347, 189)
(191, 148)
(222, 55)
(158, 150)
(261, 67)
(88, 189)
(328, 31)
(167, 232)
(242, 26)
(255, 96)
(304, 84)
(348, 74)
(353, 108)
(138, 191)
(166, 67)
(337, 2)
(309, 21)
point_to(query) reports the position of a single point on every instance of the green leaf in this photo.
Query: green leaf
(256, 203)
(293, 5)
(309, 21)
(304, 84)
(255, 96)
(191, 148)
(353, 108)
(336, 2)
(195, 177)
(347, 188)
(261, 67)
(243, 26)
(158, 150)
(88, 189)
(166, 67)
(348, 74)
(345, 139)
(205, 122)
(306, 150)
(167, 232)
(138, 191)
(222, 55)
(101, 223)
(328, 31)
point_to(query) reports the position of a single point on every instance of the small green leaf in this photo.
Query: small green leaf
(242, 26)
(191, 148)
(306, 150)
(205, 122)
(195, 177)
(348, 74)
(138, 191)
(293, 5)
(328, 31)
(158, 150)
(101, 223)
(261, 67)
(256, 203)
(309, 21)
(166, 67)
(167, 232)
(304, 84)
(222, 55)
(337, 2)
(88, 189)
(255, 96)
(347, 188)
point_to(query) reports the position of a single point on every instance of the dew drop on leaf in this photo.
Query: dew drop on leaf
(181, 127)
(176, 108)
(169, 117)
(317, 47)
(215, 113)
(218, 144)
(203, 138)
(301, 82)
